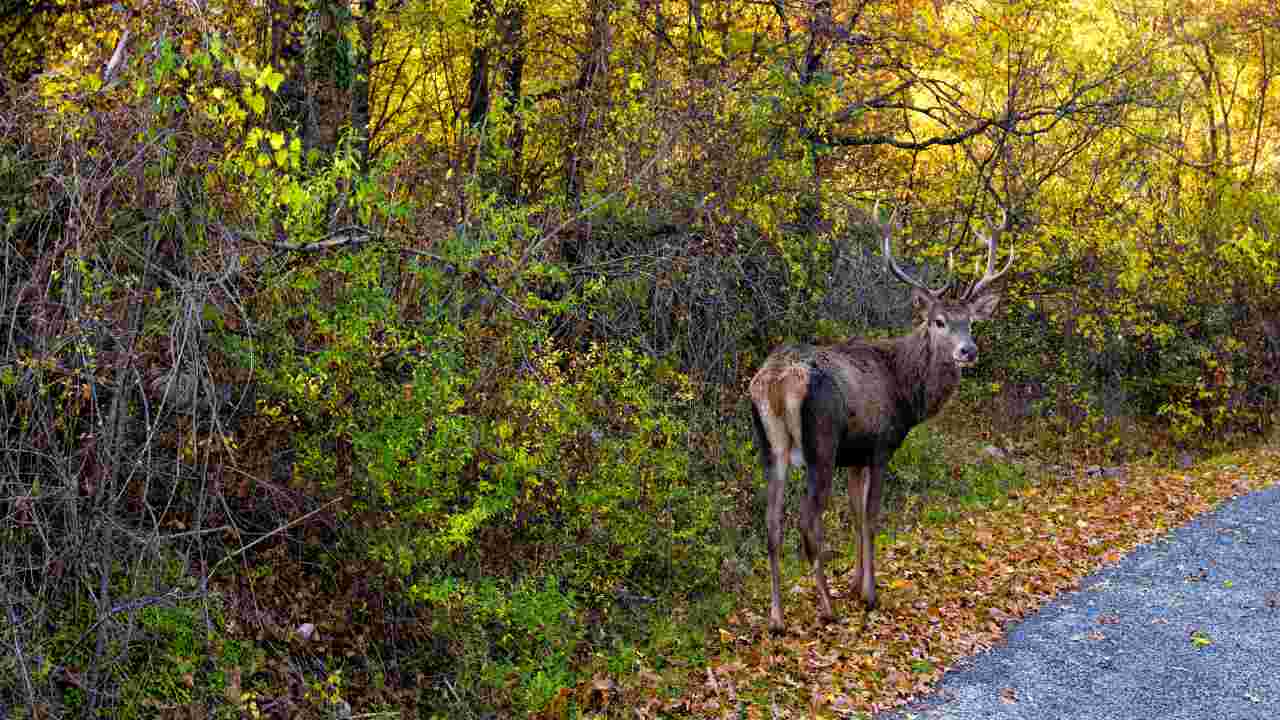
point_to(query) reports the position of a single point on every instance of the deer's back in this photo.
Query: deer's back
(853, 381)
(863, 391)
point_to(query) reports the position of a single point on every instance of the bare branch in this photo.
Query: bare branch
(117, 57)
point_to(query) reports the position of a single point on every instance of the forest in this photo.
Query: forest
(389, 358)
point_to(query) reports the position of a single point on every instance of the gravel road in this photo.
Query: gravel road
(1185, 627)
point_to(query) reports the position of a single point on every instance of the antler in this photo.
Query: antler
(991, 276)
(886, 229)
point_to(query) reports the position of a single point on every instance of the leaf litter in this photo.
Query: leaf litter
(948, 591)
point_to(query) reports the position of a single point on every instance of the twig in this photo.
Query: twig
(353, 236)
(454, 692)
(116, 57)
(172, 595)
(22, 663)
(520, 309)
(276, 531)
(586, 211)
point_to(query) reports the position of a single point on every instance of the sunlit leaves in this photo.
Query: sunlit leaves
(268, 78)
(253, 100)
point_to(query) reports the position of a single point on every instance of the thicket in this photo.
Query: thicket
(308, 408)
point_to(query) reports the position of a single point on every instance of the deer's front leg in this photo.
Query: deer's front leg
(868, 521)
(857, 515)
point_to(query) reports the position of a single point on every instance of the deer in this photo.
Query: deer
(851, 405)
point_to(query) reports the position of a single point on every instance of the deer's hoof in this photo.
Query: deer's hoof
(827, 618)
(777, 627)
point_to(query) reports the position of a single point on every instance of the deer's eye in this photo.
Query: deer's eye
(939, 323)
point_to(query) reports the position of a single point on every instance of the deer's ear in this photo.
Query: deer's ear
(984, 306)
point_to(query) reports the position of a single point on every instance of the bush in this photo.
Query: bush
(500, 480)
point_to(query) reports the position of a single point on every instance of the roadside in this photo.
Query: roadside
(1187, 626)
(1085, 565)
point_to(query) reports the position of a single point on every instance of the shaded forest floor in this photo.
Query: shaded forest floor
(950, 588)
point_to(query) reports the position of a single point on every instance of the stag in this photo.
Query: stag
(851, 405)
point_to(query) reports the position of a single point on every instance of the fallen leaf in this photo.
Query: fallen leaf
(957, 581)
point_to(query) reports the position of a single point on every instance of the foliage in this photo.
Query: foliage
(438, 456)
(424, 326)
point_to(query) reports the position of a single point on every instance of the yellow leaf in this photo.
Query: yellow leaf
(269, 78)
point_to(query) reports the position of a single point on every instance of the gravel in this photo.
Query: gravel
(1187, 626)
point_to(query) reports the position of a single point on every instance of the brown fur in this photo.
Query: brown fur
(857, 400)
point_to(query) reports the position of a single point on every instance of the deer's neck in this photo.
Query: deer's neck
(925, 379)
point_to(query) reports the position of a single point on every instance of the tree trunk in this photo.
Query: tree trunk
(478, 89)
(513, 41)
(361, 82)
(327, 76)
(595, 64)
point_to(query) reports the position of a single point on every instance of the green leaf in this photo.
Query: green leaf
(213, 315)
(269, 78)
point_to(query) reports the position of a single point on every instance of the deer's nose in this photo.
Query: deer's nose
(967, 353)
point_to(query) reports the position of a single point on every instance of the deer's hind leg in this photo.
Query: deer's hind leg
(775, 451)
(819, 455)
(777, 393)
(811, 528)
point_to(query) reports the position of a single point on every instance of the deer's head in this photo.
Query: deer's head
(949, 322)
